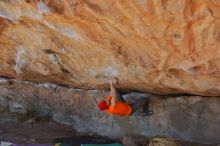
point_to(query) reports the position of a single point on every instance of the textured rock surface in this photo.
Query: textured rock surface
(158, 46)
(163, 142)
(190, 118)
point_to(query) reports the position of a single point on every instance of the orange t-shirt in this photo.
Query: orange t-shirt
(120, 108)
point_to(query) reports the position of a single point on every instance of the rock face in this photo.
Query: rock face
(157, 46)
(187, 118)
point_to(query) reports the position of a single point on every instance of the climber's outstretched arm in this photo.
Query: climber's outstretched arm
(113, 93)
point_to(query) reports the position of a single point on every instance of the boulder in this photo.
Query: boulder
(156, 46)
(56, 57)
(163, 142)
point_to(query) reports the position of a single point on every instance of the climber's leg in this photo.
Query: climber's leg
(146, 111)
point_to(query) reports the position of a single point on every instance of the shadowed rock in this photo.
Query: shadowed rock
(190, 118)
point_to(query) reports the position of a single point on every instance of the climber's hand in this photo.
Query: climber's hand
(115, 81)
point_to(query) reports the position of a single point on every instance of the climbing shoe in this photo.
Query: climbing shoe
(149, 113)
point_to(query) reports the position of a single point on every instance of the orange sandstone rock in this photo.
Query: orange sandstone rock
(157, 46)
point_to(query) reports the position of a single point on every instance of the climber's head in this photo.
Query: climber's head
(103, 105)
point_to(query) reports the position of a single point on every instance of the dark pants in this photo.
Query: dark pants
(119, 97)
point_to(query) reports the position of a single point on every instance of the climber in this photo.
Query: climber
(116, 104)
